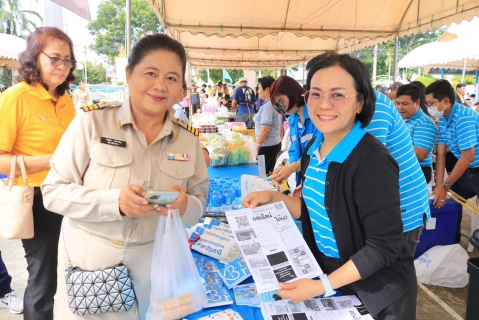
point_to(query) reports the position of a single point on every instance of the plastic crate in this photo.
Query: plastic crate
(444, 231)
(472, 307)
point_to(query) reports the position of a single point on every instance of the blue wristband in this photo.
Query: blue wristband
(327, 286)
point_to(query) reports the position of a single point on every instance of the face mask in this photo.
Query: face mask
(435, 113)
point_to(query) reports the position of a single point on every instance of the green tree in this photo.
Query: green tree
(16, 21)
(405, 44)
(108, 29)
(216, 75)
(96, 74)
(426, 80)
(467, 80)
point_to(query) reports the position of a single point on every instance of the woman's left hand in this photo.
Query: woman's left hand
(181, 203)
(301, 290)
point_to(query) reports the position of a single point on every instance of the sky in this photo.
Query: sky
(74, 26)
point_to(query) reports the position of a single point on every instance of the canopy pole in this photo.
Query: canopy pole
(304, 72)
(375, 61)
(396, 47)
(128, 27)
(476, 84)
(442, 73)
(464, 70)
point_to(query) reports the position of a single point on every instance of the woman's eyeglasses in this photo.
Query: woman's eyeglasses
(337, 99)
(56, 62)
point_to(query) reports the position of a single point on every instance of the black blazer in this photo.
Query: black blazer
(362, 202)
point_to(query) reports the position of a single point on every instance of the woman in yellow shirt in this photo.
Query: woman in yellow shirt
(34, 114)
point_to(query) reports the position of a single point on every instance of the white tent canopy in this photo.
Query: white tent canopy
(11, 47)
(301, 28)
(449, 54)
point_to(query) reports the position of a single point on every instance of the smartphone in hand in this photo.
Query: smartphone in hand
(161, 197)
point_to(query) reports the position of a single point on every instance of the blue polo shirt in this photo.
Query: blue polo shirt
(300, 135)
(243, 107)
(461, 131)
(314, 186)
(391, 130)
(423, 133)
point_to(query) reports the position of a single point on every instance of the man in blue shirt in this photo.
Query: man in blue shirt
(422, 128)
(458, 131)
(391, 130)
(194, 99)
(244, 99)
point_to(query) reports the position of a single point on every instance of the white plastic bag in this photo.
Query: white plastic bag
(176, 288)
(443, 266)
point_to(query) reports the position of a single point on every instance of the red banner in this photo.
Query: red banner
(80, 7)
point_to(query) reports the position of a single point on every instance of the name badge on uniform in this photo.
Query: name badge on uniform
(113, 142)
(178, 156)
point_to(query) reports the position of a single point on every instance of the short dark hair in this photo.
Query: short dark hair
(29, 71)
(290, 88)
(472, 95)
(266, 82)
(410, 90)
(154, 42)
(227, 97)
(203, 85)
(422, 87)
(220, 94)
(460, 85)
(441, 89)
(360, 74)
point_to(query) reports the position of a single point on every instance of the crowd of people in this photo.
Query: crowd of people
(362, 161)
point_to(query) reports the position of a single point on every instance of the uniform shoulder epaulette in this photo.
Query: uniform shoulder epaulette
(188, 127)
(101, 105)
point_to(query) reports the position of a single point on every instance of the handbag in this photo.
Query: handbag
(16, 204)
(100, 291)
(108, 290)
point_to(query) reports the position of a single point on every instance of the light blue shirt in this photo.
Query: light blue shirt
(423, 133)
(267, 116)
(460, 132)
(391, 130)
(314, 186)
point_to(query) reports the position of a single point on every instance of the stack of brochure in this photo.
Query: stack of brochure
(218, 295)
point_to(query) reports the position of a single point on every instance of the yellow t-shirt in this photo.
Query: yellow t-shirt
(31, 125)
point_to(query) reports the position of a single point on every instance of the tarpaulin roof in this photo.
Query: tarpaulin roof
(306, 26)
(9, 51)
(449, 54)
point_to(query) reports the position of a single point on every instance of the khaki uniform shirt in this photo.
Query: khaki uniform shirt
(86, 175)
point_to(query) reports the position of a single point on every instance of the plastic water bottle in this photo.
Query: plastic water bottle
(237, 188)
(210, 191)
(237, 204)
(222, 183)
(228, 197)
(216, 200)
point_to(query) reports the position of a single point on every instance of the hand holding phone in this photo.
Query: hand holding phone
(161, 197)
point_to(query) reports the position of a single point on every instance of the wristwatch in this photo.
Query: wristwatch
(446, 186)
(327, 286)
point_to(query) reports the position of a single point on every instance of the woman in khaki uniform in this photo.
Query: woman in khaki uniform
(105, 163)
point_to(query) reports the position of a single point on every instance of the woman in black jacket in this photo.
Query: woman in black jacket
(350, 203)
